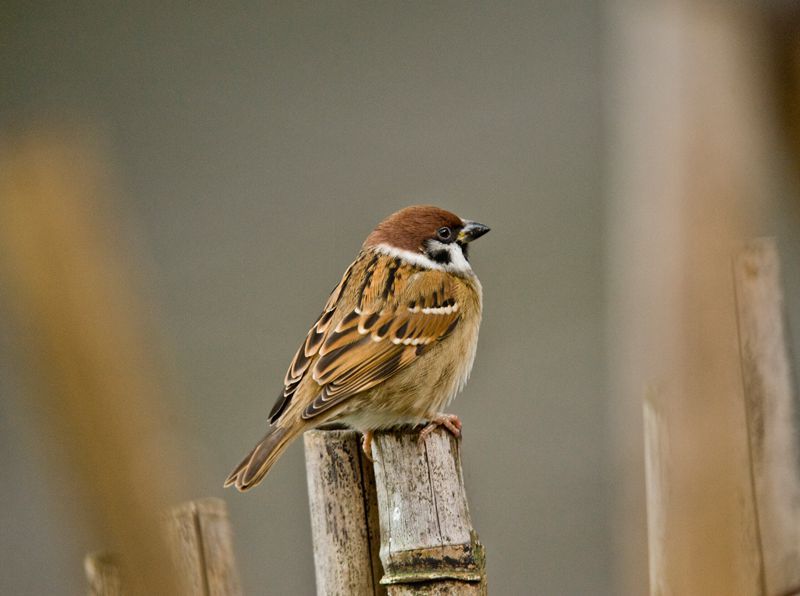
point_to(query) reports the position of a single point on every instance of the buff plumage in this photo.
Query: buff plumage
(394, 343)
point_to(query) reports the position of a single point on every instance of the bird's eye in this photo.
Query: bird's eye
(444, 233)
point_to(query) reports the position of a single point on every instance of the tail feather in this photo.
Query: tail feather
(255, 466)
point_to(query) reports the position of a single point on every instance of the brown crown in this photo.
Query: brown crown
(410, 227)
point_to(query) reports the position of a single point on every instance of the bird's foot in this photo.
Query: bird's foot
(449, 421)
(366, 444)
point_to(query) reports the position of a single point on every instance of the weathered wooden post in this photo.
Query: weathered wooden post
(428, 544)
(416, 495)
(344, 514)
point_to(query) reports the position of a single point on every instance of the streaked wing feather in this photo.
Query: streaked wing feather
(362, 355)
(397, 313)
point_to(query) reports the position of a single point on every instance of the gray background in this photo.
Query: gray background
(255, 147)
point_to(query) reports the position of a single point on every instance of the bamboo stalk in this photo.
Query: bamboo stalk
(103, 574)
(70, 287)
(344, 514)
(657, 460)
(428, 544)
(202, 542)
(769, 405)
(691, 140)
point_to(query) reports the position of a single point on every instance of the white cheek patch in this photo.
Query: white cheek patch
(458, 263)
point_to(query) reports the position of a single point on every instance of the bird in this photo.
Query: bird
(394, 344)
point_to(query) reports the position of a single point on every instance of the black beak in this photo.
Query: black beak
(471, 231)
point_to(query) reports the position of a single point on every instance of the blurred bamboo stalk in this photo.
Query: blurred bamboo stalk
(769, 402)
(689, 170)
(772, 537)
(202, 547)
(103, 574)
(201, 540)
(657, 459)
(70, 287)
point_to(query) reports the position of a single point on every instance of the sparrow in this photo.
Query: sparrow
(395, 341)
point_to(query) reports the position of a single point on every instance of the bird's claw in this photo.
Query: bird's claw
(450, 421)
(366, 445)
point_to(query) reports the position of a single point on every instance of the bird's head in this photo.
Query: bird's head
(427, 236)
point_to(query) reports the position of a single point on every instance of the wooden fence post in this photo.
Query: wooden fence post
(428, 544)
(769, 406)
(202, 543)
(344, 514)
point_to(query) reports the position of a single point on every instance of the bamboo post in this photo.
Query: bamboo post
(344, 514)
(769, 408)
(428, 544)
(657, 473)
(202, 544)
(103, 574)
(202, 550)
(94, 370)
(690, 140)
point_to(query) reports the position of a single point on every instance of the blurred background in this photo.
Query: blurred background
(245, 152)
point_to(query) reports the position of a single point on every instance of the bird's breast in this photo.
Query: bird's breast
(429, 384)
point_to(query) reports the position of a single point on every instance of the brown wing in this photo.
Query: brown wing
(363, 338)
(396, 320)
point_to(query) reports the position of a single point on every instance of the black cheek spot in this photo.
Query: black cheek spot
(440, 256)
